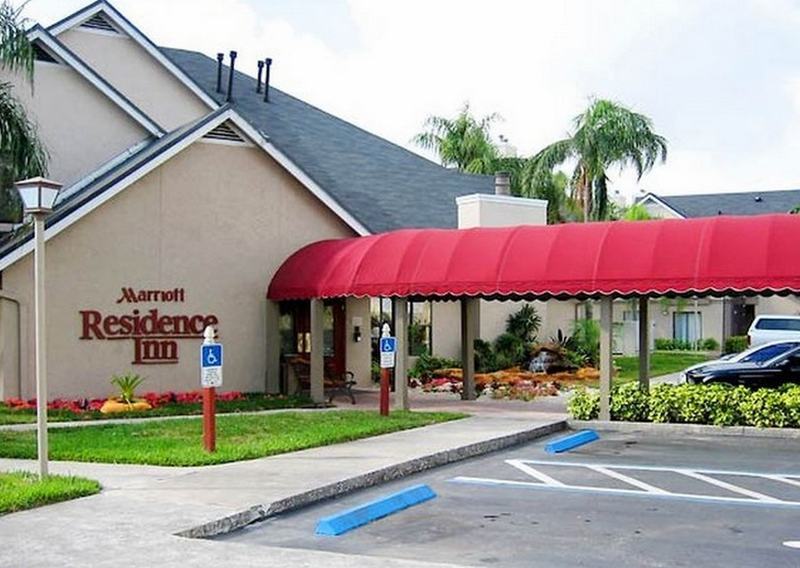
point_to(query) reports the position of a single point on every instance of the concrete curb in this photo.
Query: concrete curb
(389, 473)
(688, 429)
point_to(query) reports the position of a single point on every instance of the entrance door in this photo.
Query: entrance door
(296, 331)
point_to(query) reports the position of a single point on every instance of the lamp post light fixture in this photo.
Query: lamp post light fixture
(38, 198)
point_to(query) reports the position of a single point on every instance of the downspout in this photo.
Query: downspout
(13, 300)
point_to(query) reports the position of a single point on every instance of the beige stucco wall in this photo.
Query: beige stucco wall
(780, 305)
(10, 355)
(446, 332)
(217, 220)
(138, 75)
(80, 127)
(359, 352)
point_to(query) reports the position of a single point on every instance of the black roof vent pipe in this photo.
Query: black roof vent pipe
(268, 63)
(229, 98)
(260, 74)
(220, 57)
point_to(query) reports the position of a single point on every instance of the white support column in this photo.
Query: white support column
(272, 348)
(644, 343)
(469, 332)
(401, 358)
(317, 371)
(41, 349)
(606, 341)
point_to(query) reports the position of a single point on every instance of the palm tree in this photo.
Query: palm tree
(22, 155)
(463, 142)
(607, 134)
(552, 186)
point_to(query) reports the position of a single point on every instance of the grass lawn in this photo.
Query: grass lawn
(661, 363)
(22, 490)
(179, 442)
(251, 402)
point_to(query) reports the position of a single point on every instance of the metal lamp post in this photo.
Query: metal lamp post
(38, 198)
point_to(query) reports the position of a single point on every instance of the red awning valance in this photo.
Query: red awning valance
(709, 256)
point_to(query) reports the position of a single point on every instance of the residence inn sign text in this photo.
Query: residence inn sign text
(153, 332)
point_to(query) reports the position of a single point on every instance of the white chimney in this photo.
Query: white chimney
(500, 209)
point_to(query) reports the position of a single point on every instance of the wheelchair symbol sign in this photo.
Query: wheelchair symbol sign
(388, 347)
(212, 355)
(211, 365)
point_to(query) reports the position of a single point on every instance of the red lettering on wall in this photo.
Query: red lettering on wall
(154, 335)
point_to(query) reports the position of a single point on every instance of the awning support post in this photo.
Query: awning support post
(317, 370)
(469, 332)
(401, 357)
(606, 341)
(644, 343)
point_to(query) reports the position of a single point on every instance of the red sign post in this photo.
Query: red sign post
(384, 400)
(387, 347)
(210, 419)
(210, 379)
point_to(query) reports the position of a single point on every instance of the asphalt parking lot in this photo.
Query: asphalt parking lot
(625, 500)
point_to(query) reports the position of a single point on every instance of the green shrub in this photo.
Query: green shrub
(586, 340)
(485, 359)
(584, 404)
(710, 344)
(663, 404)
(426, 364)
(721, 405)
(668, 344)
(524, 323)
(791, 404)
(509, 351)
(629, 403)
(736, 344)
(765, 409)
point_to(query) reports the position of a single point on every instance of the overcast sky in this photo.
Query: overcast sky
(719, 78)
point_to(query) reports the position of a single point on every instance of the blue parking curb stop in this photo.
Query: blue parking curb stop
(350, 519)
(571, 442)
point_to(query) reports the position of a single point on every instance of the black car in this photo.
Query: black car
(772, 373)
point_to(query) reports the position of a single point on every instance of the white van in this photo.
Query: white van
(773, 328)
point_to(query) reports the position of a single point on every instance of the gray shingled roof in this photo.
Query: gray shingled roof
(381, 184)
(746, 203)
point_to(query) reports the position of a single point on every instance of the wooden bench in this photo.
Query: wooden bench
(333, 385)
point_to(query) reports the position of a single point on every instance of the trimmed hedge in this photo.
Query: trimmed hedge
(695, 404)
(736, 344)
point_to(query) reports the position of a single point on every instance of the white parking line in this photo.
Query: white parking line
(726, 485)
(629, 480)
(548, 481)
(543, 477)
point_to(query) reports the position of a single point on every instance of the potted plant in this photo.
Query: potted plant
(126, 401)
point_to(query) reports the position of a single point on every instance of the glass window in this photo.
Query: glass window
(687, 326)
(327, 332)
(788, 324)
(768, 352)
(419, 328)
(286, 330)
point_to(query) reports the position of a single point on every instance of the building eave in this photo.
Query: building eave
(138, 36)
(38, 33)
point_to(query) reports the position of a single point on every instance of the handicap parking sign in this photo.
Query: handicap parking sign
(211, 365)
(388, 348)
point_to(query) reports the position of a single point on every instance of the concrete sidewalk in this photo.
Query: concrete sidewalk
(134, 520)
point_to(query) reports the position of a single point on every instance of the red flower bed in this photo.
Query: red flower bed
(155, 400)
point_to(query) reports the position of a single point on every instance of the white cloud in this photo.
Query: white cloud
(716, 77)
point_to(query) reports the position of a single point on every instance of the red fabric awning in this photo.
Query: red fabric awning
(708, 256)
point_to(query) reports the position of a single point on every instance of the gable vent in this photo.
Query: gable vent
(99, 22)
(225, 133)
(40, 54)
